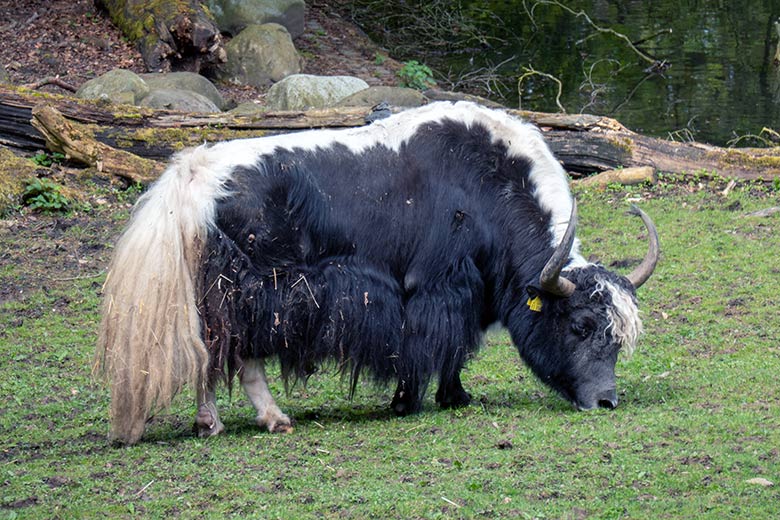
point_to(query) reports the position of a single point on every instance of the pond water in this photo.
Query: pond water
(708, 74)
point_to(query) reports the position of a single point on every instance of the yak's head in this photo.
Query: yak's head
(581, 319)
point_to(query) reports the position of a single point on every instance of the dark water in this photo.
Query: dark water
(713, 78)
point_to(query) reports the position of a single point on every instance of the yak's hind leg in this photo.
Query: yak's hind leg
(256, 387)
(207, 421)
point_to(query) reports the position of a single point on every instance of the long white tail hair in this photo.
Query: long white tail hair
(150, 344)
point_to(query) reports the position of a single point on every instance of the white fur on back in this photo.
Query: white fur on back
(216, 162)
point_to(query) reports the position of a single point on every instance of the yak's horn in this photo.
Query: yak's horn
(643, 271)
(551, 280)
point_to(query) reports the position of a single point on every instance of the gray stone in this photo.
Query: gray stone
(5, 79)
(185, 81)
(248, 108)
(233, 16)
(183, 100)
(259, 56)
(302, 91)
(393, 96)
(117, 86)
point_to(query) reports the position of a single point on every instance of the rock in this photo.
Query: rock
(259, 55)
(5, 79)
(233, 16)
(301, 91)
(117, 86)
(393, 96)
(248, 108)
(446, 95)
(183, 100)
(185, 81)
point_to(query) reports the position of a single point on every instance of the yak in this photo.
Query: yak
(386, 250)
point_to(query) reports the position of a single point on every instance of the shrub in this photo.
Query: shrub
(416, 75)
(44, 195)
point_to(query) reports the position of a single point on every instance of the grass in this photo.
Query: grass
(699, 415)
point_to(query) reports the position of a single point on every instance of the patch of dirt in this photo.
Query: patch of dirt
(77, 42)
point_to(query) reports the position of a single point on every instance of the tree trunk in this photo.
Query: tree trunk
(583, 143)
(171, 34)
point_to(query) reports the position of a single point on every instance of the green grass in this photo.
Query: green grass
(699, 413)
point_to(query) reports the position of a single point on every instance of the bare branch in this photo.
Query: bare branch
(51, 80)
(530, 71)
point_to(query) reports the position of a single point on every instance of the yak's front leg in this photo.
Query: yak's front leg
(256, 387)
(207, 421)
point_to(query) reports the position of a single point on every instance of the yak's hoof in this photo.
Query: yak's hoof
(275, 423)
(207, 422)
(454, 400)
(402, 407)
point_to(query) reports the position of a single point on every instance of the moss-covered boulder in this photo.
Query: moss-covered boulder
(233, 16)
(302, 91)
(259, 56)
(117, 86)
(181, 100)
(185, 81)
(393, 96)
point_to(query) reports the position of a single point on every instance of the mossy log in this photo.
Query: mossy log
(170, 34)
(65, 137)
(584, 144)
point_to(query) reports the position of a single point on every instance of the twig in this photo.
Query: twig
(668, 30)
(51, 80)
(141, 492)
(85, 277)
(451, 502)
(732, 183)
(530, 71)
(306, 282)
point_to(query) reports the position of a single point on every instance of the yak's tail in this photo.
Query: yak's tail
(150, 344)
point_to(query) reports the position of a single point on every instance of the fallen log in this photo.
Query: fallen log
(583, 143)
(625, 176)
(66, 138)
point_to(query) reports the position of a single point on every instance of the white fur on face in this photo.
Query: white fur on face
(624, 322)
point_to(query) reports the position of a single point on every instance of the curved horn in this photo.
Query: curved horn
(643, 271)
(551, 280)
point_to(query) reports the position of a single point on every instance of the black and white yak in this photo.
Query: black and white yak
(386, 249)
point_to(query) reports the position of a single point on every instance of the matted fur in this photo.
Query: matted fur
(150, 343)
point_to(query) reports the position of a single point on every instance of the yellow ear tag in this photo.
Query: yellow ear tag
(535, 304)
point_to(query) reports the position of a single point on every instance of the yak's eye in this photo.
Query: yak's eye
(582, 327)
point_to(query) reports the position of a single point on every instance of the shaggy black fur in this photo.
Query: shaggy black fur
(387, 262)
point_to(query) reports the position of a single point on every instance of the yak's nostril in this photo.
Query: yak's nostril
(607, 399)
(609, 404)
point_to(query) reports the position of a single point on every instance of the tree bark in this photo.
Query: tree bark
(171, 34)
(583, 143)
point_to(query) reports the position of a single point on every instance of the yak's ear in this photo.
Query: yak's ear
(534, 298)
